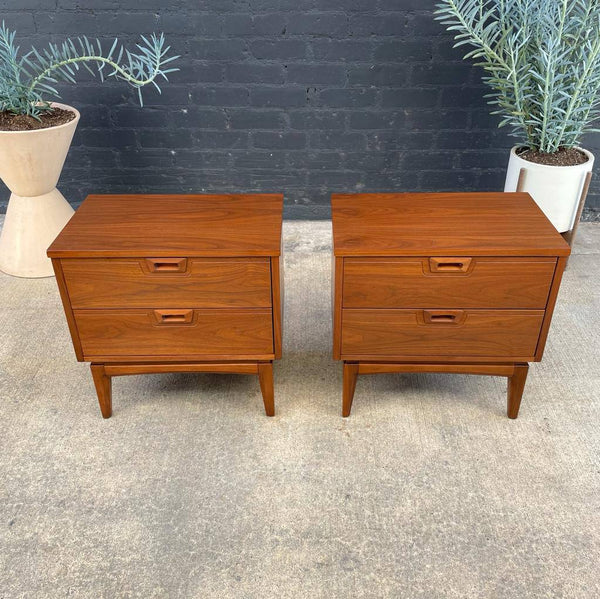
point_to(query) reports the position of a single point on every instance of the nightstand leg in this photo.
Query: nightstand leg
(516, 384)
(265, 376)
(350, 376)
(103, 384)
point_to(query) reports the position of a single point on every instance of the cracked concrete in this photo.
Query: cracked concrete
(428, 490)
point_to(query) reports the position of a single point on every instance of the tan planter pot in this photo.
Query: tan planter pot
(30, 166)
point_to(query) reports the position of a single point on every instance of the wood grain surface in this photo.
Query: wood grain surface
(409, 283)
(442, 224)
(124, 369)
(496, 333)
(206, 282)
(173, 226)
(560, 269)
(435, 367)
(277, 299)
(134, 332)
(66, 302)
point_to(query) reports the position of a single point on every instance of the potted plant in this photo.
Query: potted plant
(35, 134)
(542, 62)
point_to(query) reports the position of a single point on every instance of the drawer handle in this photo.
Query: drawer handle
(166, 317)
(457, 265)
(168, 265)
(443, 316)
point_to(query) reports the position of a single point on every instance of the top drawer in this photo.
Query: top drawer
(447, 282)
(168, 282)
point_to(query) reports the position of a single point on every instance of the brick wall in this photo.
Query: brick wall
(301, 96)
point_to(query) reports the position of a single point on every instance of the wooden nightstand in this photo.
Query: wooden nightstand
(173, 283)
(462, 283)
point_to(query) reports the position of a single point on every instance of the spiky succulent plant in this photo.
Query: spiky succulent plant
(27, 81)
(542, 60)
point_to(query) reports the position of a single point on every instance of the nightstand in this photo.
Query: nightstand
(173, 283)
(455, 282)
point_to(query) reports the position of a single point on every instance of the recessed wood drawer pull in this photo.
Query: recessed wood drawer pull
(173, 316)
(450, 266)
(458, 265)
(166, 264)
(443, 316)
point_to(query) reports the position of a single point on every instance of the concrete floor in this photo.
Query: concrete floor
(428, 490)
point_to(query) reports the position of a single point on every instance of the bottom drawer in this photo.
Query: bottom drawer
(143, 332)
(405, 333)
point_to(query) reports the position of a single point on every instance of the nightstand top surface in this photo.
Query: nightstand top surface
(173, 225)
(422, 224)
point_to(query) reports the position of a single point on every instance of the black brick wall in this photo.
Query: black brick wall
(305, 97)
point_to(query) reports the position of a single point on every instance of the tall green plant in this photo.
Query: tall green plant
(542, 60)
(25, 79)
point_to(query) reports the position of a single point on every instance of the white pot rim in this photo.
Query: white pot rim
(589, 155)
(54, 127)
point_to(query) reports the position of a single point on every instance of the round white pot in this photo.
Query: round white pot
(555, 189)
(30, 166)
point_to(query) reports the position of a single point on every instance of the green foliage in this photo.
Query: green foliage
(542, 60)
(26, 79)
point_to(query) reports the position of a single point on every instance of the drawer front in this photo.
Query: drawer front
(404, 333)
(179, 332)
(455, 282)
(149, 282)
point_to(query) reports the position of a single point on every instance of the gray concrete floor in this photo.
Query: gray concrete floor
(428, 490)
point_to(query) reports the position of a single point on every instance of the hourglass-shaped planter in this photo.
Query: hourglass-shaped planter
(30, 165)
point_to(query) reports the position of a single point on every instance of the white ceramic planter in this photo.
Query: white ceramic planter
(555, 189)
(30, 165)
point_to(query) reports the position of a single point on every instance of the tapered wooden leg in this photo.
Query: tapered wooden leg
(103, 384)
(350, 376)
(265, 376)
(516, 384)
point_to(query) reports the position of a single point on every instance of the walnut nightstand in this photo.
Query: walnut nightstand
(173, 283)
(462, 283)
